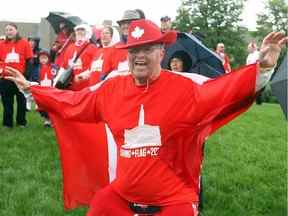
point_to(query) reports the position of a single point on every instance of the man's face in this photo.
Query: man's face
(176, 64)
(124, 25)
(106, 37)
(43, 59)
(61, 25)
(10, 32)
(221, 48)
(80, 34)
(144, 61)
(251, 48)
(166, 25)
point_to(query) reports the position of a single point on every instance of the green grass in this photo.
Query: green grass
(245, 168)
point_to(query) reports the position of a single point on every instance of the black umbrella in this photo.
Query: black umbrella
(55, 18)
(203, 60)
(279, 85)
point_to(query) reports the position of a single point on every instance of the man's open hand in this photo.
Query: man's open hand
(270, 49)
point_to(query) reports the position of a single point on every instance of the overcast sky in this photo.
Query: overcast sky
(95, 11)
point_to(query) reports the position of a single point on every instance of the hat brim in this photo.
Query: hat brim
(166, 38)
(126, 20)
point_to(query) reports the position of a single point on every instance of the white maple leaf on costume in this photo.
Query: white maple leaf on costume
(137, 33)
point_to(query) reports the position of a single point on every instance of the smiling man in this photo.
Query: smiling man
(159, 120)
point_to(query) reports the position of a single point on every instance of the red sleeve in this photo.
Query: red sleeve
(226, 64)
(222, 99)
(81, 105)
(107, 66)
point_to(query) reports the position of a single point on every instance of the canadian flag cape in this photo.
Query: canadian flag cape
(84, 158)
(84, 145)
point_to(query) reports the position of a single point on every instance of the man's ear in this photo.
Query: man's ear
(162, 53)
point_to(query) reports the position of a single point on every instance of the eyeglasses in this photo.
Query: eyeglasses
(146, 49)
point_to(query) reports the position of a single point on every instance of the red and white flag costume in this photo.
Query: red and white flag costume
(159, 131)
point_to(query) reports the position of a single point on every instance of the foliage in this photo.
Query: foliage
(273, 18)
(217, 21)
(267, 95)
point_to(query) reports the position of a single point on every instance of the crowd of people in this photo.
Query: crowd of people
(98, 59)
(159, 118)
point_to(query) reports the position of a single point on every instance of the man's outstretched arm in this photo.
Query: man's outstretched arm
(75, 105)
(224, 98)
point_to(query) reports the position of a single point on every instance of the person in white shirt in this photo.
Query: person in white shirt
(253, 55)
(252, 58)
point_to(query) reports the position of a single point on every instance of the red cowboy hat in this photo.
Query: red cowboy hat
(143, 32)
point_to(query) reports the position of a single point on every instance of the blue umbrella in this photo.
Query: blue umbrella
(201, 59)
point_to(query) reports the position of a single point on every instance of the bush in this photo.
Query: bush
(267, 96)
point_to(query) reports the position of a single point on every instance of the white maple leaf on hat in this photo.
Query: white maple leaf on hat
(137, 32)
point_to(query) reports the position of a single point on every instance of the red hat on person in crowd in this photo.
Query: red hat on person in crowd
(143, 31)
(44, 52)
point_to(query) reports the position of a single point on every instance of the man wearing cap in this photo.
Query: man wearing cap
(159, 120)
(118, 61)
(166, 24)
(128, 17)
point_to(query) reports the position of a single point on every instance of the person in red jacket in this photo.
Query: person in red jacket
(63, 39)
(46, 75)
(86, 51)
(159, 120)
(47, 71)
(15, 52)
(102, 64)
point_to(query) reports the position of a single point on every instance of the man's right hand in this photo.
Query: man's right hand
(18, 78)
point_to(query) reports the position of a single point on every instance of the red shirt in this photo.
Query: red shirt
(15, 53)
(225, 61)
(82, 64)
(159, 131)
(102, 65)
(226, 64)
(60, 53)
(118, 60)
(46, 75)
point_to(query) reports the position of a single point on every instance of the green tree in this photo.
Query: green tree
(183, 19)
(218, 21)
(273, 18)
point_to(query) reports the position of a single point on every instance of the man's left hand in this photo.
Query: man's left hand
(271, 48)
